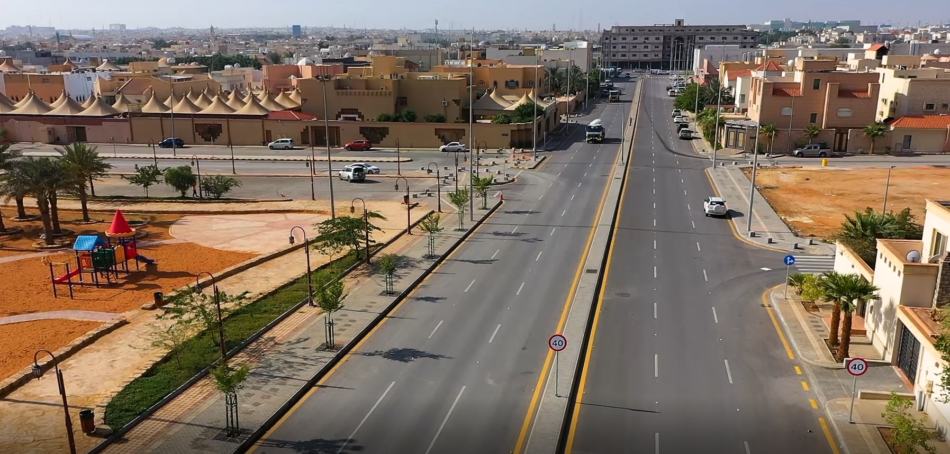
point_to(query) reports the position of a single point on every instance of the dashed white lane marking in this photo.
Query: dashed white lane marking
(469, 286)
(436, 329)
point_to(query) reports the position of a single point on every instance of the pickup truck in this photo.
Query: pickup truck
(811, 150)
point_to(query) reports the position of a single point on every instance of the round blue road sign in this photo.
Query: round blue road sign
(789, 260)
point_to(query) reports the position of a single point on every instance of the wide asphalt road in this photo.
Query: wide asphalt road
(684, 357)
(453, 369)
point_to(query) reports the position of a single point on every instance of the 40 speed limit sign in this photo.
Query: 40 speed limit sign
(857, 366)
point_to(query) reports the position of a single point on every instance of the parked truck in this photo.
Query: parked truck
(594, 132)
(812, 150)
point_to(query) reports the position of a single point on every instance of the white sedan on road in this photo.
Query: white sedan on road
(452, 147)
(370, 169)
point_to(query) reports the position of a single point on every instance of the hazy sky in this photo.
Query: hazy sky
(484, 14)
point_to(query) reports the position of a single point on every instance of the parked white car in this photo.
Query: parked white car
(715, 206)
(353, 173)
(370, 169)
(452, 147)
(680, 120)
(677, 113)
(282, 144)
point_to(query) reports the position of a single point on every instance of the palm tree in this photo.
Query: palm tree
(83, 165)
(31, 175)
(874, 131)
(577, 79)
(555, 79)
(769, 131)
(811, 131)
(832, 283)
(855, 290)
(8, 157)
(711, 91)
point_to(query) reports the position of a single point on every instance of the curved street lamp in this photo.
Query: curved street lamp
(217, 303)
(365, 222)
(195, 162)
(38, 372)
(306, 247)
(438, 182)
(408, 217)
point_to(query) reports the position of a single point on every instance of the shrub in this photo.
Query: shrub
(219, 185)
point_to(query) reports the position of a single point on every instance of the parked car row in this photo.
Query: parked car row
(286, 143)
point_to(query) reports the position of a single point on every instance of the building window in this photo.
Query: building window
(700, 38)
(623, 47)
(945, 106)
(613, 55)
(844, 112)
(656, 55)
(816, 84)
(939, 244)
(741, 98)
(786, 111)
(633, 47)
(813, 118)
(657, 38)
(623, 55)
(624, 38)
(930, 106)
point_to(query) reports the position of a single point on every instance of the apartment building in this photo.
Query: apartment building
(814, 92)
(913, 278)
(911, 90)
(665, 46)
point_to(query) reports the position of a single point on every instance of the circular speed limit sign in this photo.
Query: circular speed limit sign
(857, 366)
(557, 342)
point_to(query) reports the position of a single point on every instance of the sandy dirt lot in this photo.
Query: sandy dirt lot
(814, 201)
(156, 229)
(20, 341)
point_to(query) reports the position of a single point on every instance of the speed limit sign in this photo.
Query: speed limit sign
(557, 342)
(857, 366)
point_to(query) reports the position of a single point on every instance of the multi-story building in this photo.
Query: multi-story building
(912, 91)
(668, 46)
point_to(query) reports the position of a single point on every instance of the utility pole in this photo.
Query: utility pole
(715, 144)
(534, 140)
(471, 129)
(755, 167)
(326, 126)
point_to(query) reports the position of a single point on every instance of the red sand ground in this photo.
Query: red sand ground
(19, 341)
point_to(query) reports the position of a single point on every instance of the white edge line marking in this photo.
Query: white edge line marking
(715, 317)
(656, 366)
(371, 410)
(542, 196)
(656, 441)
(494, 333)
(496, 253)
(746, 443)
(552, 231)
(442, 426)
(519, 289)
(694, 223)
(539, 256)
(728, 372)
(572, 197)
(436, 329)
(469, 286)
(654, 310)
(705, 276)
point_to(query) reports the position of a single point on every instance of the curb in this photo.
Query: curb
(791, 340)
(732, 225)
(248, 158)
(344, 351)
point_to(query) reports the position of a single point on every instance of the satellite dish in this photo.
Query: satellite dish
(913, 256)
(237, 65)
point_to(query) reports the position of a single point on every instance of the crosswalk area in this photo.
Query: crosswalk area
(814, 264)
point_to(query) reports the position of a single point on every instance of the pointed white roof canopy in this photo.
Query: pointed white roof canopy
(154, 106)
(99, 109)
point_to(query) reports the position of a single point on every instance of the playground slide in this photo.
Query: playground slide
(65, 277)
(144, 259)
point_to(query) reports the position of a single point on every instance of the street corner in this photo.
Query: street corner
(531, 164)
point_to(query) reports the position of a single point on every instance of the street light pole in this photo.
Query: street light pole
(171, 104)
(755, 167)
(534, 127)
(471, 122)
(408, 216)
(715, 144)
(313, 163)
(887, 187)
(456, 173)
(623, 133)
(195, 162)
(306, 247)
(398, 161)
(326, 126)
(38, 372)
(217, 302)
(233, 170)
(365, 222)
(438, 181)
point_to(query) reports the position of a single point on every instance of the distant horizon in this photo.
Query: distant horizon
(491, 15)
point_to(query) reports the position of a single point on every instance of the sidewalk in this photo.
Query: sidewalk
(283, 361)
(807, 332)
(187, 156)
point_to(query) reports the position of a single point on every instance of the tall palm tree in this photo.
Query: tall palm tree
(711, 90)
(8, 157)
(769, 131)
(83, 165)
(811, 131)
(873, 131)
(577, 79)
(57, 180)
(555, 79)
(32, 175)
(832, 283)
(855, 290)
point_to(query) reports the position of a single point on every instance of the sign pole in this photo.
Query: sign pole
(789, 260)
(786, 281)
(855, 367)
(557, 343)
(556, 364)
(854, 385)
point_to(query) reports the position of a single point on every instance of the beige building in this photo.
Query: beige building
(913, 91)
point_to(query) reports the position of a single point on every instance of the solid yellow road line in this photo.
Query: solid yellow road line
(805, 385)
(814, 403)
(526, 425)
(732, 225)
(358, 345)
(798, 370)
(778, 329)
(831, 439)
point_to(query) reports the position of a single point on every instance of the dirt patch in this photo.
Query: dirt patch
(811, 307)
(31, 290)
(20, 341)
(156, 228)
(813, 202)
(887, 434)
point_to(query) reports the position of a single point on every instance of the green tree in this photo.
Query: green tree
(345, 233)
(145, 176)
(181, 178)
(407, 115)
(274, 58)
(501, 119)
(229, 381)
(435, 118)
(29, 177)
(460, 198)
(525, 112)
(219, 185)
(907, 434)
(796, 281)
(861, 231)
(329, 297)
(711, 93)
(555, 80)
(161, 44)
(83, 165)
(8, 157)
(874, 131)
(482, 185)
(388, 264)
(431, 226)
(812, 289)
(769, 131)
(855, 290)
(386, 117)
(832, 285)
(171, 338)
(811, 131)
(198, 309)
(707, 124)
(687, 100)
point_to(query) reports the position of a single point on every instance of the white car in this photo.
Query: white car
(370, 169)
(452, 147)
(677, 113)
(282, 144)
(680, 120)
(715, 206)
(353, 173)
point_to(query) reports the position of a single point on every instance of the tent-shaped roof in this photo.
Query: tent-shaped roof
(491, 101)
(192, 95)
(285, 100)
(99, 109)
(254, 107)
(268, 102)
(247, 98)
(69, 63)
(88, 243)
(185, 106)
(108, 66)
(69, 106)
(122, 103)
(8, 67)
(295, 95)
(5, 104)
(31, 105)
(88, 103)
(153, 106)
(171, 100)
(768, 66)
(23, 101)
(235, 101)
(217, 107)
(60, 100)
(524, 100)
(534, 98)
(120, 227)
(202, 101)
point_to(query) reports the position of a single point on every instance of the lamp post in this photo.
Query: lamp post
(195, 162)
(456, 172)
(471, 120)
(233, 170)
(365, 222)
(312, 164)
(217, 303)
(755, 167)
(398, 161)
(438, 180)
(154, 154)
(326, 126)
(171, 105)
(408, 217)
(306, 247)
(481, 145)
(38, 372)
(534, 127)
(114, 153)
(715, 144)
(887, 186)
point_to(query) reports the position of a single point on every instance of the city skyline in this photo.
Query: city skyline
(491, 15)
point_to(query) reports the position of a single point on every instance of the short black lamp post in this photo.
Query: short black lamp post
(438, 182)
(365, 222)
(38, 372)
(306, 248)
(406, 197)
(195, 162)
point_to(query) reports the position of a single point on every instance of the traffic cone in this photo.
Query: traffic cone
(501, 196)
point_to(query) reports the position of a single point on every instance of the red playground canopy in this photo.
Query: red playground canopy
(120, 227)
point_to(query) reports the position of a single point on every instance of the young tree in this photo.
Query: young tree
(346, 233)
(388, 264)
(219, 185)
(908, 434)
(329, 297)
(482, 185)
(812, 289)
(191, 308)
(181, 179)
(84, 166)
(769, 131)
(145, 176)
(171, 338)
(855, 291)
(687, 100)
(430, 225)
(874, 131)
(229, 381)
(459, 198)
(274, 58)
(811, 131)
(525, 112)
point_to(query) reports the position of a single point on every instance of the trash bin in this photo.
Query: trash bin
(824, 162)
(87, 420)
(159, 299)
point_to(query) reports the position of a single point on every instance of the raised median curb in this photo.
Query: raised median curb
(237, 158)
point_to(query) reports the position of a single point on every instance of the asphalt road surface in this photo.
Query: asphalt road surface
(685, 358)
(453, 369)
